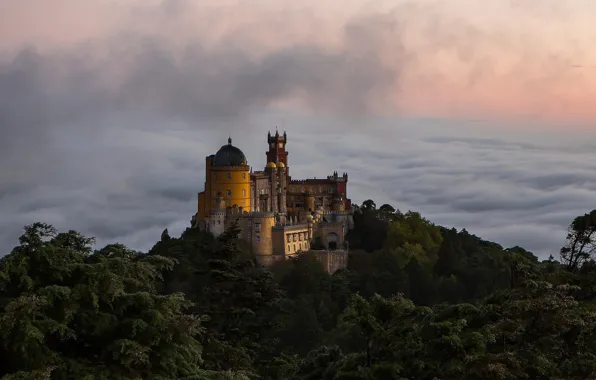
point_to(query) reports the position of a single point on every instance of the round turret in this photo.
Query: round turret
(281, 165)
(271, 165)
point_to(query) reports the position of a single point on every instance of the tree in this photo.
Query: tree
(369, 205)
(387, 209)
(72, 313)
(448, 261)
(523, 266)
(581, 241)
(241, 301)
(389, 214)
(414, 237)
(375, 325)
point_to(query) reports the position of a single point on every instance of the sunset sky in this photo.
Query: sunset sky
(478, 114)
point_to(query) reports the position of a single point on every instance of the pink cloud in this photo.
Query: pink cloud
(459, 59)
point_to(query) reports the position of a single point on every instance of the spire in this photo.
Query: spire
(229, 140)
(276, 132)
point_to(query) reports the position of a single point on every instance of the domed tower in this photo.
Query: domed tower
(228, 177)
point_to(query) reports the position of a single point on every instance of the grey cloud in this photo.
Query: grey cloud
(109, 138)
(140, 80)
(497, 202)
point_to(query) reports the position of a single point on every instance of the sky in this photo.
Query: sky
(479, 115)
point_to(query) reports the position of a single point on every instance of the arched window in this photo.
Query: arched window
(229, 175)
(243, 192)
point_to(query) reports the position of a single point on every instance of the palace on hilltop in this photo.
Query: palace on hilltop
(279, 217)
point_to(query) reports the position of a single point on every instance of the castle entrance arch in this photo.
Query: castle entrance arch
(332, 241)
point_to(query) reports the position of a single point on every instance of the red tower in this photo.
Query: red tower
(277, 148)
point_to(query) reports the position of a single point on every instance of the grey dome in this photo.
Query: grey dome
(229, 155)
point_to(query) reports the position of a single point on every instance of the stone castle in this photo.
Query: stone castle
(279, 217)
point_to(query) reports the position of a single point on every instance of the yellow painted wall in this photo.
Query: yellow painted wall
(237, 183)
(291, 247)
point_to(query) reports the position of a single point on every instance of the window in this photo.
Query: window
(257, 227)
(281, 145)
(229, 193)
(258, 239)
(229, 202)
(249, 222)
(272, 145)
(294, 247)
(243, 175)
(249, 234)
(288, 248)
(289, 239)
(243, 192)
(229, 175)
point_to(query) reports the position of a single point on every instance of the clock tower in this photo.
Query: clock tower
(277, 148)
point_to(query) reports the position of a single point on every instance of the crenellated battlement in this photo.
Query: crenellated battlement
(310, 181)
(259, 214)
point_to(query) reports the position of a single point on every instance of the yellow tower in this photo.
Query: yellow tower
(228, 177)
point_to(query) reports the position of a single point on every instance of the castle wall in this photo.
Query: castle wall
(201, 212)
(232, 184)
(332, 261)
(256, 228)
(290, 240)
(332, 235)
(217, 223)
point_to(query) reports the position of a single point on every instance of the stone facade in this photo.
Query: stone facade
(332, 261)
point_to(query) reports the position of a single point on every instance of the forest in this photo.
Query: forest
(417, 301)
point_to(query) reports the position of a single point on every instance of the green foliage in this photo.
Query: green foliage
(580, 245)
(72, 313)
(413, 238)
(417, 301)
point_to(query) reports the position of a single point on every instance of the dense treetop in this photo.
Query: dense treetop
(417, 301)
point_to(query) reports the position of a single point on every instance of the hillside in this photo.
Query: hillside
(417, 301)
